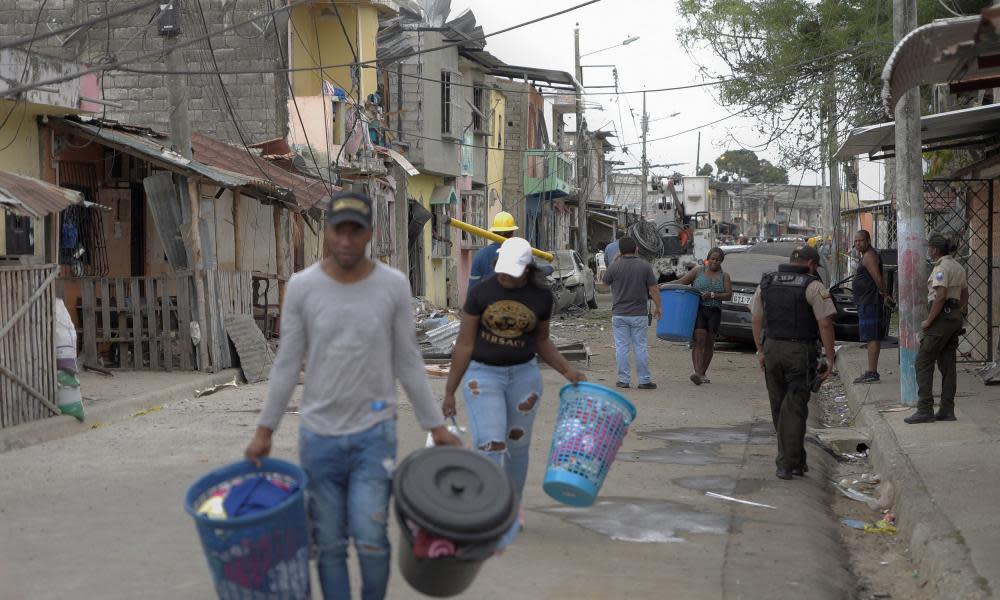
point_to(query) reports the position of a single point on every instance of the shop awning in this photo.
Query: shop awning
(955, 129)
(30, 197)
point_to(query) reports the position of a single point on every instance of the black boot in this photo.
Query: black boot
(783, 473)
(943, 415)
(920, 417)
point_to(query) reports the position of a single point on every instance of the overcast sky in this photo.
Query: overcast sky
(656, 60)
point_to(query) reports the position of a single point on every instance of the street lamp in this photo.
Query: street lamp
(625, 42)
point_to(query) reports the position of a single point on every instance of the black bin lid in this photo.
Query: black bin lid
(456, 494)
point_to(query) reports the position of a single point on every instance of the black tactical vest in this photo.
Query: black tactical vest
(787, 315)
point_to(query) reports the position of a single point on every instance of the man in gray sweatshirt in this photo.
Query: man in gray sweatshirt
(348, 321)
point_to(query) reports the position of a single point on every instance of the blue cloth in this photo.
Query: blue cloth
(483, 263)
(501, 400)
(254, 495)
(610, 252)
(869, 322)
(630, 333)
(348, 497)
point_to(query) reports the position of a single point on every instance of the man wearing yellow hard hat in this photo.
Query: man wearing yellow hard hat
(486, 258)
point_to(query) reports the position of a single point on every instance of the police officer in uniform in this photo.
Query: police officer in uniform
(947, 295)
(791, 311)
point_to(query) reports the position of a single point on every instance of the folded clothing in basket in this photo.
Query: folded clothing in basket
(256, 494)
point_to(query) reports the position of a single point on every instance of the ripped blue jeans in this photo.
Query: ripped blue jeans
(502, 403)
(350, 481)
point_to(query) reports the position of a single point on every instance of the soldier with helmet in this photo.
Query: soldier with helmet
(947, 297)
(791, 311)
(482, 264)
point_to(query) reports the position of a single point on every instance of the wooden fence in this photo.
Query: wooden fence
(145, 322)
(27, 344)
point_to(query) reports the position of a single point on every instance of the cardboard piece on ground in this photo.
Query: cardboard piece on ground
(255, 355)
(438, 370)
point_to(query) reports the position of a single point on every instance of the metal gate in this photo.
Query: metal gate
(961, 210)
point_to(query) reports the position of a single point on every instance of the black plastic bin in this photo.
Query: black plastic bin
(457, 495)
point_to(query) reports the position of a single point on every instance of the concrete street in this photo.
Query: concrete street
(100, 515)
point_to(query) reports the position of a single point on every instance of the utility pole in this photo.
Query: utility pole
(909, 216)
(697, 160)
(645, 163)
(180, 138)
(834, 182)
(581, 136)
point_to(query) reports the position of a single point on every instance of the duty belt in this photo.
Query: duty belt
(949, 305)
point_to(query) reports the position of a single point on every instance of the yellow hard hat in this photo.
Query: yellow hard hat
(504, 221)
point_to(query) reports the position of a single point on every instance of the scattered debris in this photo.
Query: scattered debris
(880, 526)
(441, 370)
(256, 356)
(98, 370)
(215, 388)
(731, 499)
(854, 494)
(440, 341)
(151, 409)
(990, 374)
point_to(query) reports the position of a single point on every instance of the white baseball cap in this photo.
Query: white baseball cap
(513, 257)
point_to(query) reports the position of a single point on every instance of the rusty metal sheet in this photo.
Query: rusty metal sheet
(31, 197)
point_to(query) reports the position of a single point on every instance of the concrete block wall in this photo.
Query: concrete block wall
(259, 99)
(515, 141)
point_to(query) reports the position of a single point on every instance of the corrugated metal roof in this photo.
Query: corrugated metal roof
(958, 128)
(30, 197)
(225, 165)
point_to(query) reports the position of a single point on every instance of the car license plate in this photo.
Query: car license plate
(741, 298)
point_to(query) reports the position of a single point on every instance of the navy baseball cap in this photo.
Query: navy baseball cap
(350, 207)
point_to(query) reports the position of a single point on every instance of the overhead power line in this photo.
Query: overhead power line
(119, 64)
(116, 65)
(369, 65)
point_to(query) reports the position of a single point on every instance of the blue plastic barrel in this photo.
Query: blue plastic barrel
(592, 423)
(261, 555)
(680, 310)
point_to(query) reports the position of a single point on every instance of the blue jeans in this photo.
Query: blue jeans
(631, 331)
(350, 482)
(502, 403)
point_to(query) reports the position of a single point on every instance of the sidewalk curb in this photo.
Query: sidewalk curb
(934, 541)
(61, 426)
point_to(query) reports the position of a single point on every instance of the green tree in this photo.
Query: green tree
(744, 164)
(801, 69)
(706, 170)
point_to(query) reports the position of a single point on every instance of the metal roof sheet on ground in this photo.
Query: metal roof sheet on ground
(969, 126)
(31, 197)
(225, 165)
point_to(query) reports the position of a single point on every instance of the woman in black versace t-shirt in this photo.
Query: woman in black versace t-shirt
(505, 327)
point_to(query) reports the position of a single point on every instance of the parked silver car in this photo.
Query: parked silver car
(572, 281)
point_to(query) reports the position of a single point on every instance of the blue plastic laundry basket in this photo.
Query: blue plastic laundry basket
(590, 428)
(261, 555)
